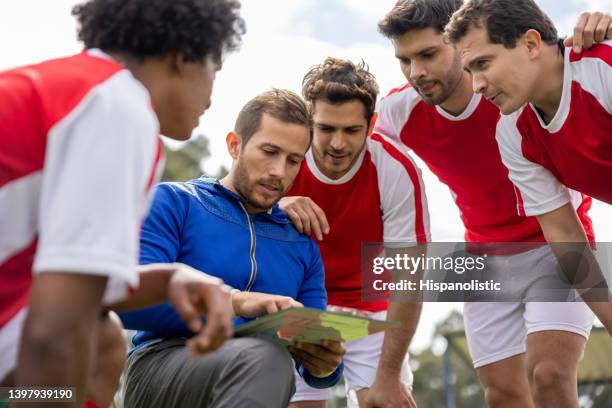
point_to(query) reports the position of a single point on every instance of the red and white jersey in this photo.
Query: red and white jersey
(463, 153)
(574, 150)
(381, 199)
(79, 152)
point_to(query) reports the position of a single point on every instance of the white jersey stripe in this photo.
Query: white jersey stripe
(19, 214)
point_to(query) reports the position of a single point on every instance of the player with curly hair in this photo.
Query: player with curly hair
(79, 152)
(356, 186)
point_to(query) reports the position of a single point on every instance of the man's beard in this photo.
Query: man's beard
(446, 91)
(244, 187)
(448, 85)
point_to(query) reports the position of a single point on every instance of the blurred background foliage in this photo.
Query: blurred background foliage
(186, 162)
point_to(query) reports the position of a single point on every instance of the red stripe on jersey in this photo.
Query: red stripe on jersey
(583, 215)
(14, 283)
(158, 158)
(421, 236)
(398, 89)
(599, 51)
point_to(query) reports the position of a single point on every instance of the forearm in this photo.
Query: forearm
(568, 241)
(152, 289)
(397, 341)
(406, 309)
(60, 360)
(57, 339)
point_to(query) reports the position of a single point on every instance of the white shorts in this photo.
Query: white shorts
(10, 337)
(360, 364)
(498, 330)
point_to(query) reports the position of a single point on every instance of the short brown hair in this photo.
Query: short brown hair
(409, 15)
(281, 104)
(337, 81)
(504, 20)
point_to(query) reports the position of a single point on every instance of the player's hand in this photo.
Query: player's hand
(253, 304)
(192, 294)
(389, 393)
(591, 28)
(320, 360)
(306, 215)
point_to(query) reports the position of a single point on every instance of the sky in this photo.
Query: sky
(283, 39)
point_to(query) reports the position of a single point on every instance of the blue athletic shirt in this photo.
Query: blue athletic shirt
(204, 225)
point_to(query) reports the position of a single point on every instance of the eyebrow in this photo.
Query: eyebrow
(268, 144)
(470, 65)
(420, 52)
(321, 125)
(428, 49)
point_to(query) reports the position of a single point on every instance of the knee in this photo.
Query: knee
(112, 345)
(498, 396)
(265, 359)
(270, 357)
(109, 362)
(549, 376)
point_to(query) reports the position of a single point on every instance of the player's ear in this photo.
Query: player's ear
(174, 64)
(532, 41)
(234, 143)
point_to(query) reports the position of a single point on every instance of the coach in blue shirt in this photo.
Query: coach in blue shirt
(234, 230)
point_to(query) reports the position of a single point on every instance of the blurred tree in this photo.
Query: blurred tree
(185, 163)
(222, 172)
(428, 387)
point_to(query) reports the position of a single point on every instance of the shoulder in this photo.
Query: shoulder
(88, 85)
(122, 101)
(389, 156)
(394, 110)
(178, 195)
(399, 101)
(592, 70)
(275, 225)
(507, 128)
(599, 52)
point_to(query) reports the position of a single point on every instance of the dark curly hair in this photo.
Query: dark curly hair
(153, 28)
(338, 81)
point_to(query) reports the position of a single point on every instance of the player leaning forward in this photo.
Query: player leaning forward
(79, 152)
(453, 129)
(555, 131)
(357, 188)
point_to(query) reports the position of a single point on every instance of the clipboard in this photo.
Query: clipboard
(312, 326)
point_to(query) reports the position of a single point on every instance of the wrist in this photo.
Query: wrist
(324, 375)
(388, 374)
(232, 302)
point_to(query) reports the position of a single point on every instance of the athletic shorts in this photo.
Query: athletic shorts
(498, 330)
